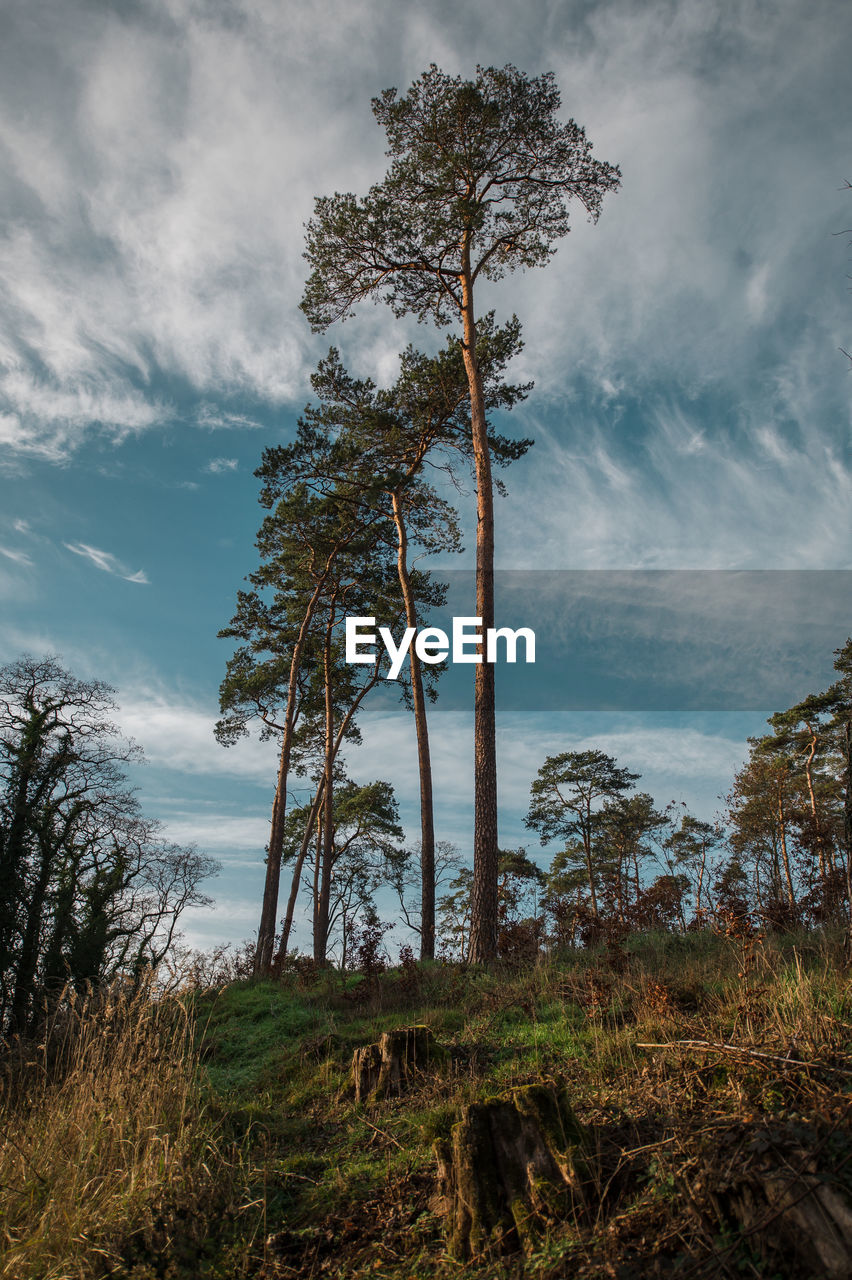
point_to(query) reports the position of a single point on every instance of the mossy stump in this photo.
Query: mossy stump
(777, 1194)
(511, 1169)
(387, 1069)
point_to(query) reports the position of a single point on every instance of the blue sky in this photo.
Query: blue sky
(691, 409)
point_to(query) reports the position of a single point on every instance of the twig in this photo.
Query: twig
(736, 1048)
(382, 1132)
(648, 1146)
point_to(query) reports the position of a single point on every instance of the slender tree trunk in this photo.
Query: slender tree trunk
(785, 858)
(297, 876)
(24, 805)
(587, 849)
(483, 927)
(814, 813)
(621, 881)
(321, 931)
(847, 833)
(701, 868)
(318, 863)
(427, 821)
(313, 818)
(321, 938)
(269, 910)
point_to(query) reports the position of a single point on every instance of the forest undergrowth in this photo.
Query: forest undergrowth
(217, 1134)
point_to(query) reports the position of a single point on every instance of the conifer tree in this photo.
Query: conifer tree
(480, 178)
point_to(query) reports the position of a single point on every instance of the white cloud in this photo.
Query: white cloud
(106, 561)
(221, 835)
(767, 492)
(699, 764)
(47, 420)
(217, 465)
(19, 557)
(161, 166)
(215, 418)
(178, 735)
(232, 918)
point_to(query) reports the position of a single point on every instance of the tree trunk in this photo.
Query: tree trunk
(316, 809)
(700, 880)
(321, 919)
(847, 834)
(781, 1197)
(427, 821)
(785, 858)
(621, 883)
(483, 929)
(587, 849)
(28, 956)
(818, 832)
(27, 795)
(318, 864)
(269, 910)
(297, 876)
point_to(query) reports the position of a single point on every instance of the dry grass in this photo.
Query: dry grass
(699, 1067)
(105, 1141)
(712, 1076)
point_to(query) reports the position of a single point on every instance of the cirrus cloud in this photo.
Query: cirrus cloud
(106, 561)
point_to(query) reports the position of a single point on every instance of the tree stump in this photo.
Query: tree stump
(387, 1069)
(511, 1168)
(775, 1192)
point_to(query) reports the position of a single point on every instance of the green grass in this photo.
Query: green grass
(280, 1057)
(280, 1174)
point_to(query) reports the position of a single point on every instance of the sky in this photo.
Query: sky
(691, 410)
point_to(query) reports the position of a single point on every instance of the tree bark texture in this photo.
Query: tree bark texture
(775, 1192)
(511, 1167)
(483, 929)
(389, 1067)
(424, 760)
(269, 909)
(323, 905)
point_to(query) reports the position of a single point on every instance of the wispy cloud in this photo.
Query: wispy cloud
(215, 418)
(681, 491)
(179, 735)
(106, 561)
(220, 833)
(47, 420)
(160, 172)
(217, 465)
(19, 557)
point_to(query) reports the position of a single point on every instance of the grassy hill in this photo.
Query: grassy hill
(725, 1157)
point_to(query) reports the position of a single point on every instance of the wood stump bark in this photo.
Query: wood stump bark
(775, 1192)
(386, 1069)
(511, 1168)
